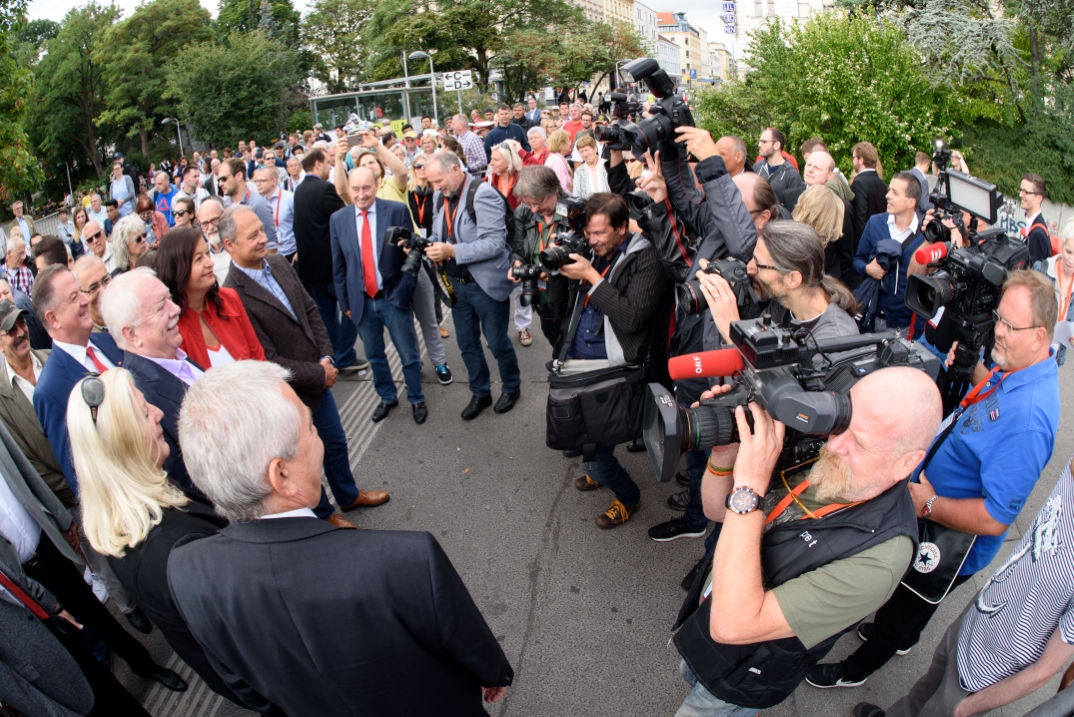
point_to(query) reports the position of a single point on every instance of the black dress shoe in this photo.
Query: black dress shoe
(636, 446)
(168, 678)
(420, 412)
(381, 412)
(477, 405)
(571, 454)
(139, 621)
(507, 402)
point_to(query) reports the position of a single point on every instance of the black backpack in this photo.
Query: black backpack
(508, 213)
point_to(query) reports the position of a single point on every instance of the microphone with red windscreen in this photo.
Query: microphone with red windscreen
(932, 253)
(724, 362)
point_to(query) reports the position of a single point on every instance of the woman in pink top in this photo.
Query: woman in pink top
(559, 145)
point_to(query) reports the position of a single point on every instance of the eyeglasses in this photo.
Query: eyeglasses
(766, 141)
(1027, 191)
(95, 237)
(93, 394)
(769, 266)
(92, 288)
(209, 222)
(180, 212)
(1008, 325)
(419, 166)
(142, 237)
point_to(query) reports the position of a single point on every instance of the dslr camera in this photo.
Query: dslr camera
(570, 213)
(733, 271)
(617, 135)
(669, 111)
(803, 383)
(529, 274)
(415, 243)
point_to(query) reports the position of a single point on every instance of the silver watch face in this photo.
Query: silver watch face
(743, 501)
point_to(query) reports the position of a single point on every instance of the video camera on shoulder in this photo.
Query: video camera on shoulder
(796, 379)
(415, 243)
(966, 282)
(570, 213)
(669, 111)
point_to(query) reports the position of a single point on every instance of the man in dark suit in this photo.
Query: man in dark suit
(870, 192)
(1033, 192)
(839, 260)
(292, 334)
(211, 185)
(63, 310)
(144, 322)
(374, 292)
(386, 624)
(316, 200)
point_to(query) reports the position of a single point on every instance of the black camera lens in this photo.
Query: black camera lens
(691, 300)
(412, 265)
(935, 231)
(554, 257)
(926, 294)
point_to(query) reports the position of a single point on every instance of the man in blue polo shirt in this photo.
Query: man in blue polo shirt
(981, 475)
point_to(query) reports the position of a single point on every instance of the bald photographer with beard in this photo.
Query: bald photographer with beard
(802, 557)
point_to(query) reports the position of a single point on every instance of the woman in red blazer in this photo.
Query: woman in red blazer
(214, 325)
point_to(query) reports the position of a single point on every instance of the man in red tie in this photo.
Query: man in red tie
(373, 289)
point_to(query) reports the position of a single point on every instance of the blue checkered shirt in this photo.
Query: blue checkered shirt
(263, 276)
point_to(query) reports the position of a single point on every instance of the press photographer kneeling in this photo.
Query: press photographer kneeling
(774, 594)
(620, 301)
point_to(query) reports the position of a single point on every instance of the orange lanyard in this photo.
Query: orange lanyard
(816, 514)
(421, 202)
(449, 217)
(602, 274)
(1064, 295)
(542, 239)
(279, 196)
(975, 395)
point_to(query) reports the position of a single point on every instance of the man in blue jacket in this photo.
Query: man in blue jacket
(504, 129)
(900, 223)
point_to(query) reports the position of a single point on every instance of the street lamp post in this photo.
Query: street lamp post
(178, 132)
(419, 55)
(70, 189)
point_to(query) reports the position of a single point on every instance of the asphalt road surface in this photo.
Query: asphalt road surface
(583, 614)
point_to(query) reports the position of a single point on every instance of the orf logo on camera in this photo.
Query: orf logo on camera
(697, 364)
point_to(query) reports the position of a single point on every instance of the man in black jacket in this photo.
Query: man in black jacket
(1033, 193)
(774, 167)
(316, 200)
(762, 610)
(870, 191)
(318, 620)
(621, 305)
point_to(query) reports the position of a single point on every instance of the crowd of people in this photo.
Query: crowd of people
(166, 415)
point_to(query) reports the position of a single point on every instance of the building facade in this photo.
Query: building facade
(748, 15)
(619, 11)
(667, 55)
(645, 24)
(721, 62)
(592, 9)
(694, 68)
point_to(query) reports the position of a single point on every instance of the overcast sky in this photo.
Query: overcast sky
(705, 13)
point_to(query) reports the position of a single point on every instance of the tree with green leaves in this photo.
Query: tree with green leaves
(592, 51)
(232, 89)
(333, 31)
(135, 58)
(276, 19)
(71, 88)
(30, 40)
(19, 171)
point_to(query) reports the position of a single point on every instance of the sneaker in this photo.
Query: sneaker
(586, 484)
(673, 530)
(866, 709)
(868, 629)
(524, 337)
(679, 500)
(616, 515)
(683, 478)
(830, 675)
(443, 374)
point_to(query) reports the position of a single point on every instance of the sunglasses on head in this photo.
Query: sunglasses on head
(93, 394)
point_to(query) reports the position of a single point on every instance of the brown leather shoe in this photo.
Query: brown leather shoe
(369, 499)
(586, 484)
(340, 522)
(616, 515)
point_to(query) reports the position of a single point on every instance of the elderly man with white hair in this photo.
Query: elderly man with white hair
(385, 623)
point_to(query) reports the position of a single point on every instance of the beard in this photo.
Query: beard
(831, 476)
(764, 290)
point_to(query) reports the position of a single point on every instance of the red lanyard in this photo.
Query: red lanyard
(279, 196)
(449, 217)
(1063, 295)
(586, 302)
(975, 395)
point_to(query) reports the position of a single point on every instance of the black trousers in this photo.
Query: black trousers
(110, 699)
(897, 626)
(60, 577)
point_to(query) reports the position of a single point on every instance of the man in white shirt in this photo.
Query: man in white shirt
(96, 211)
(191, 186)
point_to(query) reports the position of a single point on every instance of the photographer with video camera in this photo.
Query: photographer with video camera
(980, 471)
(618, 298)
(773, 596)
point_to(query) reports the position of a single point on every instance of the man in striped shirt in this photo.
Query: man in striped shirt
(471, 144)
(1015, 635)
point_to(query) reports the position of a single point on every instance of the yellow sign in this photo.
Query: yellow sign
(397, 127)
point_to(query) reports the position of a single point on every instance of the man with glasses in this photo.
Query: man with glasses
(774, 167)
(15, 270)
(231, 176)
(99, 246)
(282, 204)
(977, 481)
(1033, 193)
(208, 217)
(93, 278)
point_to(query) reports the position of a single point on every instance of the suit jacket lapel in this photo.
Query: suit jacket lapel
(253, 290)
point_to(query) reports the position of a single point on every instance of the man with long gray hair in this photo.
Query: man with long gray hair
(386, 625)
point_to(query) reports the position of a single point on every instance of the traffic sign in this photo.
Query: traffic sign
(460, 80)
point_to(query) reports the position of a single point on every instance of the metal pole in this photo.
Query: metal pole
(460, 101)
(432, 74)
(70, 189)
(179, 134)
(406, 95)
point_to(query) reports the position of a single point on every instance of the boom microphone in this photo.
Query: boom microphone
(724, 362)
(932, 253)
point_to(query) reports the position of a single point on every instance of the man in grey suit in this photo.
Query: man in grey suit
(922, 162)
(474, 250)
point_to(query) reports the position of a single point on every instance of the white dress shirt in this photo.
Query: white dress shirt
(372, 211)
(19, 382)
(179, 367)
(296, 513)
(282, 204)
(901, 236)
(79, 354)
(16, 524)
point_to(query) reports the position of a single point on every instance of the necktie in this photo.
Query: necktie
(101, 368)
(369, 267)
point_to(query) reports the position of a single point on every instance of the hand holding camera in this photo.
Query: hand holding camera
(759, 449)
(698, 142)
(580, 268)
(721, 298)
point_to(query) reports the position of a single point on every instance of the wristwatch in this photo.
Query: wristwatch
(927, 510)
(743, 500)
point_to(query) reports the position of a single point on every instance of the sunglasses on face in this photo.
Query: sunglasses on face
(95, 237)
(180, 212)
(140, 238)
(419, 166)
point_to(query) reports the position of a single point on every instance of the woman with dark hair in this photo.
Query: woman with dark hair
(156, 223)
(214, 324)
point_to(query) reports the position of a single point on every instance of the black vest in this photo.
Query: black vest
(763, 674)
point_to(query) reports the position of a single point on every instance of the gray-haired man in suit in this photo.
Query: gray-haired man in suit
(476, 257)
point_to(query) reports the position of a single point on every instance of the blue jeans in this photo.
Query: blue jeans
(337, 461)
(696, 462)
(702, 703)
(377, 315)
(475, 312)
(343, 334)
(607, 471)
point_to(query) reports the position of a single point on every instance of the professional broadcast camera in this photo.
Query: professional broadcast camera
(964, 290)
(802, 383)
(733, 271)
(570, 212)
(416, 243)
(529, 274)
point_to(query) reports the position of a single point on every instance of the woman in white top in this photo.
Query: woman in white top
(1060, 269)
(591, 176)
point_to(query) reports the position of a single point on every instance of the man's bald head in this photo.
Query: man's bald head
(913, 423)
(819, 168)
(758, 197)
(362, 182)
(733, 152)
